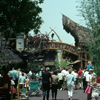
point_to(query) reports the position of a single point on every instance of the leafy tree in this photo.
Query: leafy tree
(34, 66)
(90, 11)
(18, 16)
(62, 62)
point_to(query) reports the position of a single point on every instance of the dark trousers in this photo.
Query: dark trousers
(60, 84)
(84, 84)
(16, 82)
(46, 88)
(54, 90)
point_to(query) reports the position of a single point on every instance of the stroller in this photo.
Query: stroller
(34, 88)
(24, 95)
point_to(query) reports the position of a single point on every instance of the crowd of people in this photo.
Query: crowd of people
(54, 80)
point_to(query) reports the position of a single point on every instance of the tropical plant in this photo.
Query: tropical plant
(90, 11)
(60, 62)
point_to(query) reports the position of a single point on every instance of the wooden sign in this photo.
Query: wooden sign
(60, 46)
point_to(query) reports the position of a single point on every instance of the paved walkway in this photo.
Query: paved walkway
(62, 95)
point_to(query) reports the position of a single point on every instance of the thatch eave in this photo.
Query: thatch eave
(9, 57)
(81, 34)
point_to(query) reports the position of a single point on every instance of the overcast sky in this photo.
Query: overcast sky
(52, 17)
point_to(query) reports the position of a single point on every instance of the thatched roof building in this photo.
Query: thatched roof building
(9, 57)
(81, 34)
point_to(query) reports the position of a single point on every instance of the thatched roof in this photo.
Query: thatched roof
(9, 57)
(80, 33)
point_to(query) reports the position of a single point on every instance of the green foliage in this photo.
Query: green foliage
(62, 62)
(34, 67)
(90, 11)
(18, 16)
(1, 66)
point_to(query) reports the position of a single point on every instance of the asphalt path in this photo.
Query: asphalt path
(62, 95)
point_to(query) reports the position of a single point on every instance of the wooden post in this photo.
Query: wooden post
(18, 91)
(81, 61)
(11, 92)
(26, 85)
(85, 59)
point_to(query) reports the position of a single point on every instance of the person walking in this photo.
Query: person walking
(95, 88)
(33, 75)
(84, 79)
(88, 89)
(60, 78)
(46, 83)
(15, 75)
(54, 85)
(64, 87)
(22, 81)
(76, 79)
(5, 84)
(70, 79)
(80, 80)
(98, 79)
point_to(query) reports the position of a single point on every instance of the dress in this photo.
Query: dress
(95, 92)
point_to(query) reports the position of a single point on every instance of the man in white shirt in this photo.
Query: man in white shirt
(63, 71)
(60, 78)
(76, 78)
(64, 86)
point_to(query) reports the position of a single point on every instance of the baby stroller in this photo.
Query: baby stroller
(23, 93)
(34, 88)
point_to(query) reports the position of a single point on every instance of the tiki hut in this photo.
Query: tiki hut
(82, 36)
(9, 57)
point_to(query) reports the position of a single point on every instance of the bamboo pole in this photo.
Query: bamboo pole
(18, 91)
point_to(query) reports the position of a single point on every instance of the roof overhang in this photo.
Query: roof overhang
(75, 62)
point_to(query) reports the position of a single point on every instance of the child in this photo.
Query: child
(95, 88)
(27, 83)
(13, 89)
(88, 80)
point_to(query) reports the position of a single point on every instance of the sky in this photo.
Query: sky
(52, 17)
